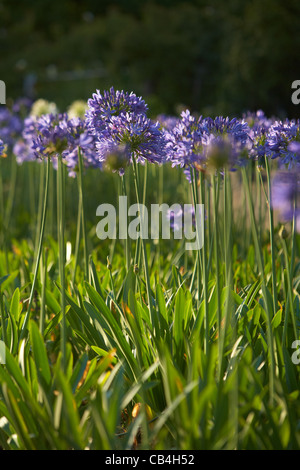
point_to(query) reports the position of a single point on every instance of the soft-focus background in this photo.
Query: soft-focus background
(215, 57)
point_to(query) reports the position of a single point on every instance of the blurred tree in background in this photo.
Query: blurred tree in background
(211, 56)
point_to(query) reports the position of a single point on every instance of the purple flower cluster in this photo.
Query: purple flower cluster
(184, 141)
(167, 122)
(116, 130)
(119, 122)
(80, 138)
(22, 148)
(281, 140)
(203, 142)
(11, 126)
(53, 134)
(102, 107)
(285, 190)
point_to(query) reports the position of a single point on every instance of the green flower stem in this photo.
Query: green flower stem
(258, 202)
(2, 318)
(227, 231)
(62, 257)
(204, 267)
(227, 227)
(160, 170)
(1, 191)
(215, 190)
(198, 267)
(12, 190)
(268, 307)
(137, 178)
(2, 234)
(78, 232)
(290, 302)
(271, 221)
(31, 179)
(137, 189)
(127, 241)
(39, 253)
(9, 206)
(43, 296)
(40, 207)
(52, 205)
(294, 242)
(81, 192)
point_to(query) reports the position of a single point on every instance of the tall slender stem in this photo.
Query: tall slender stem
(38, 257)
(198, 267)
(269, 203)
(268, 307)
(137, 188)
(78, 232)
(127, 241)
(85, 247)
(290, 289)
(204, 267)
(12, 190)
(228, 267)
(43, 296)
(215, 182)
(2, 318)
(61, 247)
(40, 205)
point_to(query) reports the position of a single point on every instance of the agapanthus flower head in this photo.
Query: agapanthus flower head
(294, 147)
(280, 136)
(221, 151)
(130, 136)
(55, 134)
(238, 130)
(23, 151)
(11, 126)
(22, 106)
(51, 132)
(284, 194)
(112, 103)
(167, 122)
(41, 107)
(77, 109)
(115, 156)
(201, 142)
(80, 139)
(258, 122)
(259, 125)
(184, 141)
(22, 148)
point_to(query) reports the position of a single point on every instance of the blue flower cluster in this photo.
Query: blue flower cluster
(116, 129)
(101, 107)
(53, 134)
(11, 125)
(280, 136)
(204, 142)
(123, 131)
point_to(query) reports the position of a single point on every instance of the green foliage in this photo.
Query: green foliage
(196, 371)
